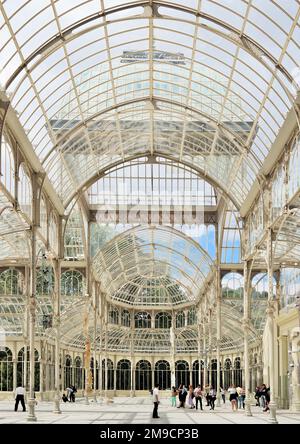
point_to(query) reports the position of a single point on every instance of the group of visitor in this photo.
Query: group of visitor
(21, 392)
(191, 397)
(262, 396)
(70, 396)
(237, 397)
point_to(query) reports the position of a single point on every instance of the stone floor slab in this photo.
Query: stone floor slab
(138, 411)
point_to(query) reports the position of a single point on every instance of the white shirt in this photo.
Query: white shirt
(155, 394)
(20, 391)
(231, 390)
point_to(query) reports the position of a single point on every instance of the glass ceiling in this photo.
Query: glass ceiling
(152, 266)
(100, 82)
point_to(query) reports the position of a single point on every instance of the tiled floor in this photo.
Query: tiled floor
(138, 411)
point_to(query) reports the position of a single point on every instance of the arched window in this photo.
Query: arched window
(182, 374)
(180, 319)
(227, 373)
(214, 373)
(259, 299)
(72, 283)
(142, 320)
(162, 375)
(6, 370)
(74, 236)
(53, 238)
(78, 371)
(191, 317)
(45, 280)
(113, 316)
(290, 286)
(237, 373)
(7, 176)
(11, 282)
(125, 318)
(255, 226)
(278, 191)
(23, 369)
(231, 239)
(68, 380)
(25, 191)
(197, 375)
(163, 320)
(233, 286)
(143, 376)
(123, 375)
(110, 374)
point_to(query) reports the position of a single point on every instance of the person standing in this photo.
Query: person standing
(243, 395)
(233, 397)
(155, 401)
(191, 397)
(173, 396)
(222, 394)
(20, 397)
(198, 396)
(74, 390)
(240, 397)
(265, 395)
(212, 397)
(207, 389)
(182, 394)
(257, 396)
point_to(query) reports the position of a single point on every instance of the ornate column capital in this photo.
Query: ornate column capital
(270, 308)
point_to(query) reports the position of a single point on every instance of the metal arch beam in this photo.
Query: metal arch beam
(233, 137)
(12, 122)
(105, 171)
(7, 207)
(243, 41)
(127, 306)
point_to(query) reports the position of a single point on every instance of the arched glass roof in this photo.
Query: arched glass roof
(205, 82)
(148, 266)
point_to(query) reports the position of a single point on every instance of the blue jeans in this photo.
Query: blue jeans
(240, 400)
(262, 401)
